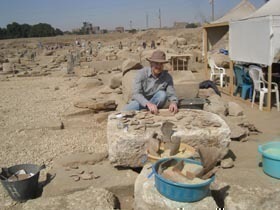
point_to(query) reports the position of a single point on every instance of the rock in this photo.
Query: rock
(7, 67)
(127, 143)
(235, 109)
(205, 93)
(96, 105)
(227, 163)
(127, 82)
(86, 176)
(217, 106)
(89, 82)
(130, 64)
(116, 81)
(146, 196)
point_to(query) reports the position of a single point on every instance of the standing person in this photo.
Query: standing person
(120, 45)
(153, 86)
(144, 45)
(153, 44)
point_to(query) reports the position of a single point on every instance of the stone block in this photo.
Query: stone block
(127, 141)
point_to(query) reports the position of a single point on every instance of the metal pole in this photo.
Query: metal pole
(212, 2)
(159, 16)
(147, 20)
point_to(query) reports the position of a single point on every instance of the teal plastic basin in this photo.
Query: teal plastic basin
(271, 158)
(181, 192)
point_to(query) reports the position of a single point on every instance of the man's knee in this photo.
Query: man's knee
(161, 95)
(159, 98)
(133, 105)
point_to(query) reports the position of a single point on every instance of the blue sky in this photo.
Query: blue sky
(69, 14)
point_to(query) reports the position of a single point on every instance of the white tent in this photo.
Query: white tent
(215, 35)
(256, 39)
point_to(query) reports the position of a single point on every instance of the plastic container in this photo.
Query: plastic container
(181, 192)
(271, 158)
(22, 190)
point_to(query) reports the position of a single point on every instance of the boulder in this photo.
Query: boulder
(89, 82)
(235, 109)
(216, 105)
(116, 81)
(127, 82)
(130, 64)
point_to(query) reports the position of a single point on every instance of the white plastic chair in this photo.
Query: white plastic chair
(216, 71)
(256, 74)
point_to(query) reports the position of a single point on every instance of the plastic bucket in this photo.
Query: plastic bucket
(22, 190)
(271, 158)
(181, 192)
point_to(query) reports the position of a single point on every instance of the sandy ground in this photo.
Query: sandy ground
(32, 110)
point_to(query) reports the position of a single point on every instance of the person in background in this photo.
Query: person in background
(153, 86)
(153, 44)
(120, 45)
(144, 44)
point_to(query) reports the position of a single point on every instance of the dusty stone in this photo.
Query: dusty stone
(116, 82)
(235, 109)
(217, 106)
(227, 163)
(97, 106)
(89, 82)
(130, 64)
(86, 176)
(127, 144)
(205, 93)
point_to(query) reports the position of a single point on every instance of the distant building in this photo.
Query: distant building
(180, 24)
(119, 29)
(96, 29)
(87, 28)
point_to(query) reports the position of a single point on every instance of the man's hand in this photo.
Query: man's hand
(173, 108)
(152, 108)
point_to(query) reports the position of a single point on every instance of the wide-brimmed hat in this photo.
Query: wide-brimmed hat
(158, 56)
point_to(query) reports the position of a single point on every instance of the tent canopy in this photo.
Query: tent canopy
(255, 39)
(217, 31)
(243, 9)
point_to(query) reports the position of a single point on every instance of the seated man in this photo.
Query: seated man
(153, 86)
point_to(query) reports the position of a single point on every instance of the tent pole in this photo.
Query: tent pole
(231, 77)
(205, 47)
(269, 88)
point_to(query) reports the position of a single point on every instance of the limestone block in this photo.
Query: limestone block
(7, 67)
(217, 106)
(127, 140)
(127, 82)
(235, 109)
(130, 64)
(146, 196)
(116, 81)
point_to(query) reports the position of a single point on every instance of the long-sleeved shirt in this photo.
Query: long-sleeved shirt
(146, 85)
